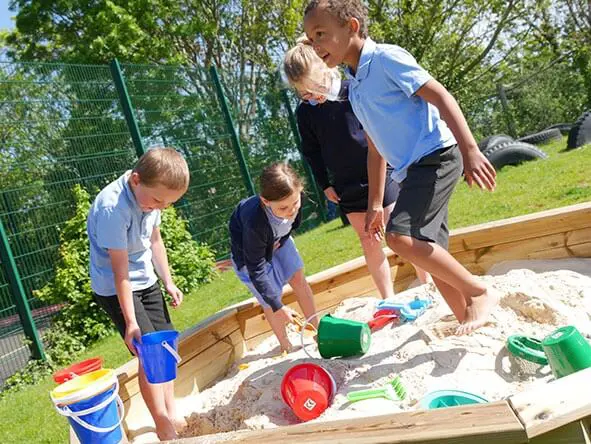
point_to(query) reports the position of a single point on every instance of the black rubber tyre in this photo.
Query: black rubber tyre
(542, 137)
(513, 153)
(490, 141)
(564, 128)
(580, 133)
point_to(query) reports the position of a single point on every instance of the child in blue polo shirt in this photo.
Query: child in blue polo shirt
(335, 147)
(414, 124)
(125, 247)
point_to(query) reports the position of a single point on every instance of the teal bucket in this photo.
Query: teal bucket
(342, 338)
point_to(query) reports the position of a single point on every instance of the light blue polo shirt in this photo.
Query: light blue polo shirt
(404, 127)
(115, 221)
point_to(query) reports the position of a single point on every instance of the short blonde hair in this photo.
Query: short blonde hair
(305, 70)
(163, 166)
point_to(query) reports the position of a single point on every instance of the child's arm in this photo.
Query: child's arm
(120, 266)
(312, 152)
(477, 168)
(160, 261)
(376, 173)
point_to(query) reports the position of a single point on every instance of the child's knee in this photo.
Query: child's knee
(398, 242)
(298, 278)
(368, 241)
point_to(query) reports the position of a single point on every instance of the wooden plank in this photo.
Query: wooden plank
(553, 405)
(549, 247)
(203, 339)
(543, 223)
(137, 419)
(494, 422)
(204, 368)
(527, 248)
(573, 433)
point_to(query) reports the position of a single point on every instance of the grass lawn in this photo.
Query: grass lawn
(563, 179)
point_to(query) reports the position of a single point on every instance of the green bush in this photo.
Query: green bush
(190, 264)
(81, 319)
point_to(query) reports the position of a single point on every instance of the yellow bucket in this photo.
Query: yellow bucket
(83, 387)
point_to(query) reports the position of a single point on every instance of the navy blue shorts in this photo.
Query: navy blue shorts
(354, 197)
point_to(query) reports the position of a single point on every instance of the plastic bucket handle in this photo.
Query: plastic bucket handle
(172, 351)
(65, 411)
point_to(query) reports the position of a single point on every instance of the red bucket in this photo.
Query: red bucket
(80, 368)
(308, 389)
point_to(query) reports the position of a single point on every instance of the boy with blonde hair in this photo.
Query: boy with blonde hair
(125, 248)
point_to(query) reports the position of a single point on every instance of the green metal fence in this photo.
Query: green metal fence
(62, 125)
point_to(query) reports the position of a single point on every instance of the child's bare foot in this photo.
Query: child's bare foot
(165, 429)
(479, 310)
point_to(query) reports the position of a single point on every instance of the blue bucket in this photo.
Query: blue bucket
(96, 419)
(158, 355)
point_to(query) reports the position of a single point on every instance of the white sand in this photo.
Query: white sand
(426, 354)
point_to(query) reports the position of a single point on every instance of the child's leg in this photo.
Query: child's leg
(278, 328)
(455, 300)
(376, 260)
(178, 422)
(418, 231)
(422, 275)
(151, 313)
(151, 308)
(154, 398)
(462, 288)
(304, 294)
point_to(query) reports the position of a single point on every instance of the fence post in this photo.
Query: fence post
(233, 134)
(19, 295)
(506, 110)
(134, 128)
(307, 168)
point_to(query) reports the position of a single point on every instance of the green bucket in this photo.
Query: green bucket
(341, 337)
(567, 351)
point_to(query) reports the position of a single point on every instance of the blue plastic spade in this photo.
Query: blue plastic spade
(409, 311)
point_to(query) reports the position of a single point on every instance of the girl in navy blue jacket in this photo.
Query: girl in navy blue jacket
(264, 255)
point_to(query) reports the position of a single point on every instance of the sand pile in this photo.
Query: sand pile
(426, 354)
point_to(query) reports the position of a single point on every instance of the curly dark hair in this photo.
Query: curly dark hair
(343, 10)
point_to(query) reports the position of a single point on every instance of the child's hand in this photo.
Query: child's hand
(374, 223)
(132, 331)
(175, 293)
(285, 314)
(478, 169)
(332, 195)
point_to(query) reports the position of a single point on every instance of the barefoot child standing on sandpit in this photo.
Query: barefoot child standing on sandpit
(125, 248)
(333, 142)
(264, 255)
(414, 123)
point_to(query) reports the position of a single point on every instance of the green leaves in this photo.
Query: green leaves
(191, 264)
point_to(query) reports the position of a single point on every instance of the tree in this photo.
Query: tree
(243, 38)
